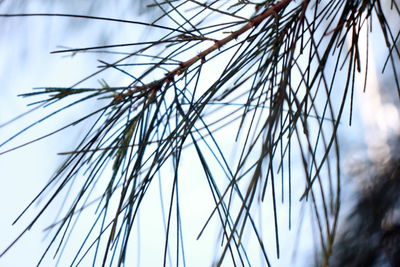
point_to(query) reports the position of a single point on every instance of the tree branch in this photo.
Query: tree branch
(254, 22)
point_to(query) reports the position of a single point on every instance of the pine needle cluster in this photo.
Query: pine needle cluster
(243, 89)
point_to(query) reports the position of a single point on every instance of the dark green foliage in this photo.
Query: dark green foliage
(371, 234)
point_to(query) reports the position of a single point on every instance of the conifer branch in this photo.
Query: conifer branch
(274, 9)
(282, 70)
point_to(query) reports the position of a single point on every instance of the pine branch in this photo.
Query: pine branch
(286, 76)
(254, 22)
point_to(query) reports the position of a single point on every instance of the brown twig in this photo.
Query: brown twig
(274, 9)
